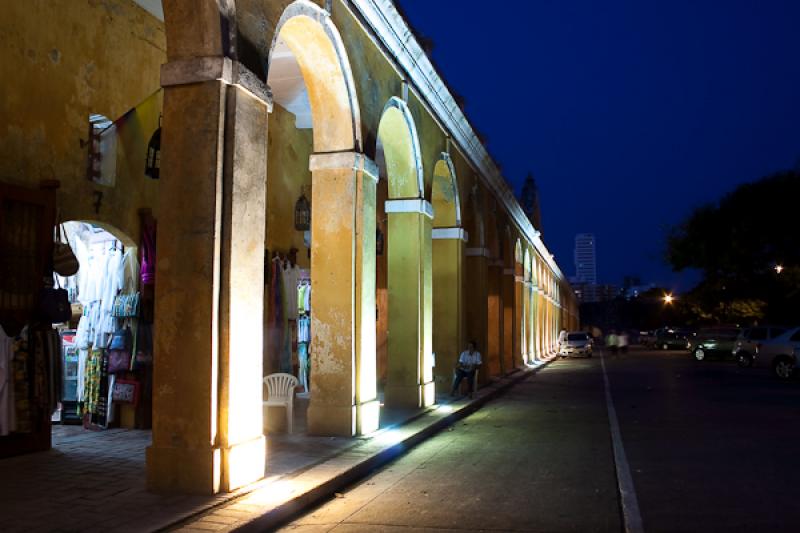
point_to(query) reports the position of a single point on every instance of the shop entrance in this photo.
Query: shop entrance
(106, 347)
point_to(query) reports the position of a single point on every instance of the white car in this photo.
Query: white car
(780, 354)
(576, 343)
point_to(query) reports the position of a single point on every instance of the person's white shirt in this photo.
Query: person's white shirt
(470, 360)
(622, 339)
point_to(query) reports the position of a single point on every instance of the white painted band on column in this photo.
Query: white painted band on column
(414, 205)
(224, 69)
(449, 233)
(477, 252)
(343, 160)
(519, 279)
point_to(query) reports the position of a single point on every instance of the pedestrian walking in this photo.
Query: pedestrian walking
(611, 342)
(622, 342)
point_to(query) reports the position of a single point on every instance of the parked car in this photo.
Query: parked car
(780, 354)
(647, 338)
(751, 339)
(576, 343)
(709, 342)
(670, 339)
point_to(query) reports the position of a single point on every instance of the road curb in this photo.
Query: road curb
(283, 513)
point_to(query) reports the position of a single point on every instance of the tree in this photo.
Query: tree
(737, 244)
(529, 200)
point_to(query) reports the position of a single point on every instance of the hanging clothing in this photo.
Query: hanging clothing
(129, 274)
(275, 333)
(301, 297)
(91, 385)
(289, 278)
(302, 355)
(7, 409)
(303, 329)
(307, 299)
(148, 268)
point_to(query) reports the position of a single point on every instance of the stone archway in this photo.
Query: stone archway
(528, 351)
(520, 306)
(449, 239)
(508, 300)
(492, 363)
(409, 381)
(342, 348)
(207, 422)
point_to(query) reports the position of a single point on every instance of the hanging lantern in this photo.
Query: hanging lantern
(152, 167)
(379, 242)
(302, 213)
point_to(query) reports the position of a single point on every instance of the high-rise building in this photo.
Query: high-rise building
(585, 259)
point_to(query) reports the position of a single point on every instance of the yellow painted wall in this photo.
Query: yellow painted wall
(65, 59)
(288, 153)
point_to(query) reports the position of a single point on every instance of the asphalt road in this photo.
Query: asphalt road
(710, 447)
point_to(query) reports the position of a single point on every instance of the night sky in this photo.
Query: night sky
(629, 114)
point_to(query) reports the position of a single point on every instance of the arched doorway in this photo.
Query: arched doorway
(494, 313)
(311, 78)
(207, 433)
(409, 283)
(528, 351)
(449, 240)
(520, 306)
(508, 299)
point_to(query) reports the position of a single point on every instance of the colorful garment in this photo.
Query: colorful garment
(91, 386)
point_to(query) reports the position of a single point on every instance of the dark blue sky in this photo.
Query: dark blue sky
(629, 113)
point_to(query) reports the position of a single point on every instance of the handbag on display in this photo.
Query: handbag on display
(126, 306)
(119, 361)
(119, 351)
(65, 264)
(54, 306)
(121, 340)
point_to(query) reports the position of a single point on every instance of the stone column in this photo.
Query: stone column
(475, 294)
(343, 367)
(533, 332)
(448, 302)
(509, 319)
(539, 323)
(207, 382)
(409, 380)
(494, 314)
(520, 308)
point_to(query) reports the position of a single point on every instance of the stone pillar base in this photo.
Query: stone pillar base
(179, 469)
(244, 463)
(405, 396)
(428, 393)
(331, 420)
(368, 416)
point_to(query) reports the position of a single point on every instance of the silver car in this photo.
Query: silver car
(780, 354)
(751, 339)
(576, 343)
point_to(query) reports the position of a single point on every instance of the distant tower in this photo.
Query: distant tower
(585, 258)
(530, 202)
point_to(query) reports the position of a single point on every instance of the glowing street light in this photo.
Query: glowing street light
(668, 299)
(778, 268)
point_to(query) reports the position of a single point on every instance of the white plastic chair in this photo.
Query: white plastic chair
(280, 393)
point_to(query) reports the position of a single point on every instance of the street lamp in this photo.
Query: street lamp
(778, 268)
(668, 299)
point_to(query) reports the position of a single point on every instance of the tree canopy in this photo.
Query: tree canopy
(737, 244)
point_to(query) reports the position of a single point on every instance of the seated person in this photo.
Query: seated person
(468, 362)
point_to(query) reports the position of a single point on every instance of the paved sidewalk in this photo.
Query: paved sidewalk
(94, 481)
(273, 501)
